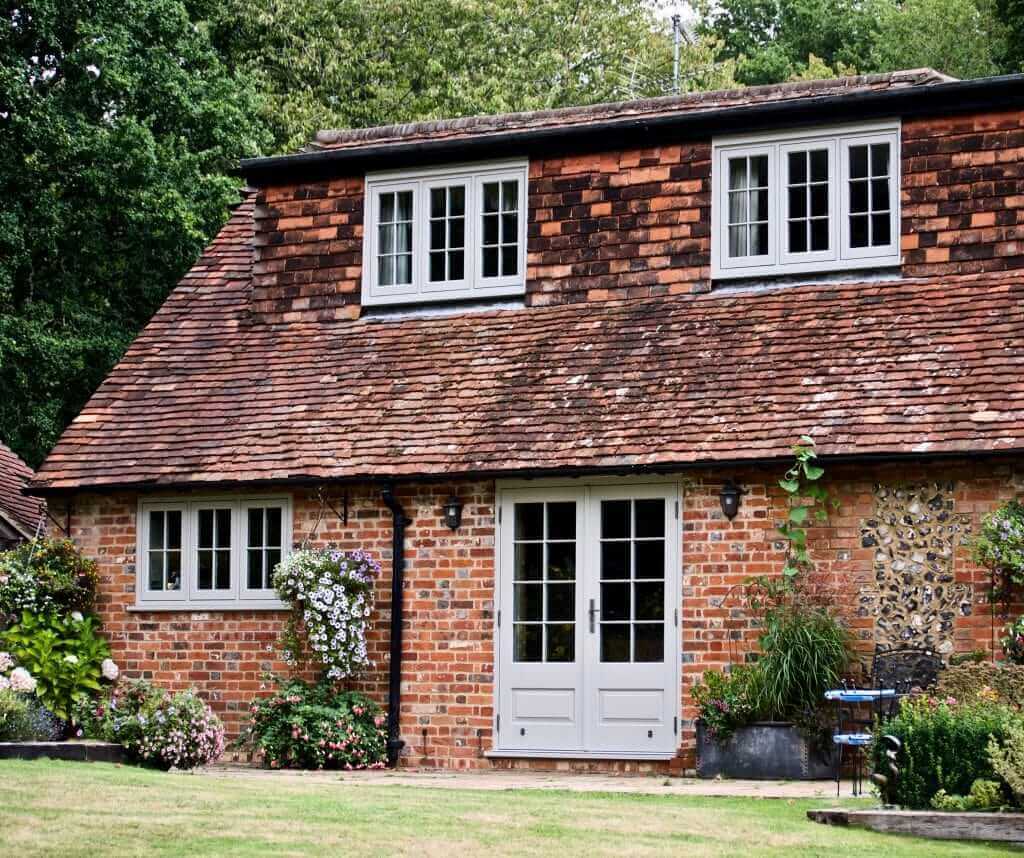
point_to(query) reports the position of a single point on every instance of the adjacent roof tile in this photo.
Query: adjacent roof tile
(206, 395)
(19, 510)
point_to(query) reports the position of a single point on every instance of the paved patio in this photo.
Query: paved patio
(512, 780)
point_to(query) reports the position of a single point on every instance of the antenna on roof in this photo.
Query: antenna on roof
(676, 39)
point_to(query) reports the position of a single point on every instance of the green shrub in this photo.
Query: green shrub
(726, 700)
(1002, 682)
(316, 727)
(65, 656)
(999, 544)
(1013, 641)
(155, 727)
(46, 575)
(944, 747)
(15, 717)
(1007, 759)
(984, 795)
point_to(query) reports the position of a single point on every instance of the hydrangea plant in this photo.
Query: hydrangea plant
(331, 596)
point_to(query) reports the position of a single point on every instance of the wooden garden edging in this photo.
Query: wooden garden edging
(86, 750)
(940, 825)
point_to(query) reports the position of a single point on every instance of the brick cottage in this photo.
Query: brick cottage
(579, 325)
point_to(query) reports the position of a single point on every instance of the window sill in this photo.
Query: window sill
(202, 607)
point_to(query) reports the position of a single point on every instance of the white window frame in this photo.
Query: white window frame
(239, 596)
(779, 262)
(473, 285)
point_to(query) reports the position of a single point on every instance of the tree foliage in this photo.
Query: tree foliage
(118, 125)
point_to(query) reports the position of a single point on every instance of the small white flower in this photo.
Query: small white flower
(6, 662)
(109, 669)
(71, 659)
(5, 683)
(21, 680)
(77, 616)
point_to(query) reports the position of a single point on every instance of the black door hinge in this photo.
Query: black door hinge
(497, 728)
(675, 725)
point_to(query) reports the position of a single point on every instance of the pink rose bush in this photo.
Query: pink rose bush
(316, 727)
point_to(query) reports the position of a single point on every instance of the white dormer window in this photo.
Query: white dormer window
(445, 234)
(807, 202)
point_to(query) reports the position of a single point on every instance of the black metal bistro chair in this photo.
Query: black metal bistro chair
(894, 674)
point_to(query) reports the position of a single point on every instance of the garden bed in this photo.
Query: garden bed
(938, 825)
(87, 750)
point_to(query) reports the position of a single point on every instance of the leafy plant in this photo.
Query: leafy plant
(331, 595)
(944, 747)
(1007, 758)
(15, 717)
(984, 795)
(64, 655)
(1013, 641)
(46, 575)
(998, 683)
(999, 544)
(727, 701)
(156, 727)
(315, 727)
(808, 499)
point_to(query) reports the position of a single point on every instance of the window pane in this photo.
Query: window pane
(650, 559)
(759, 239)
(173, 529)
(819, 165)
(561, 643)
(759, 171)
(858, 162)
(456, 232)
(255, 569)
(738, 207)
(797, 168)
(650, 642)
(759, 205)
(509, 260)
(737, 241)
(528, 642)
(490, 262)
(529, 521)
(509, 228)
(529, 602)
(386, 233)
(403, 269)
(880, 194)
(403, 238)
(614, 642)
(819, 234)
(858, 196)
(490, 196)
(509, 196)
(561, 602)
(819, 200)
(223, 570)
(438, 199)
(156, 570)
(436, 267)
(879, 229)
(404, 205)
(456, 265)
(561, 561)
(562, 520)
(614, 519)
(457, 201)
(437, 234)
(274, 526)
(859, 231)
(650, 601)
(737, 173)
(255, 517)
(529, 560)
(206, 528)
(387, 208)
(798, 202)
(205, 562)
(490, 229)
(386, 275)
(797, 236)
(879, 159)
(172, 564)
(223, 528)
(615, 559)
(650, 518)
(614, 601)
(156, 529)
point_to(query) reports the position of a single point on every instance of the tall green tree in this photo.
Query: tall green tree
(351, 64)
(119, 123)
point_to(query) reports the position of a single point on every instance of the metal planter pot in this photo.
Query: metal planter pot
(769, 750)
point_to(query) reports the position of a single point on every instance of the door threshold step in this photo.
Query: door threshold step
(580, 755)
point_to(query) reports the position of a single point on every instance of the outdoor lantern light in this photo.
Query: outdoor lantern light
(729, 497)
(453, 512)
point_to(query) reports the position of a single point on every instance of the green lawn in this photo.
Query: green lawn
(55, 808)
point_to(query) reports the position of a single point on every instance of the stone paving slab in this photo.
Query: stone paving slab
(512, 780)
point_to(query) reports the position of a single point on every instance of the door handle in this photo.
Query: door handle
(593, 613)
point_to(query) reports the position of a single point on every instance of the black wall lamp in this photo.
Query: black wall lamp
(729, 498)
(453, 512)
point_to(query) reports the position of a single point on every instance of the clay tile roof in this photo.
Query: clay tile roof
(566, 117)
(204, 395)
(18, 510)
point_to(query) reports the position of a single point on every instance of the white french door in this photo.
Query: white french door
(587, 621)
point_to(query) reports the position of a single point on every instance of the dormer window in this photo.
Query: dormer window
(445, 234)
(807, 202)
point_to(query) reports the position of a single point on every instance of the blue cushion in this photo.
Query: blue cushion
(857, 739)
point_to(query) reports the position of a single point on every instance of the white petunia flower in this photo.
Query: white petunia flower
(77, 616)
(109, 669)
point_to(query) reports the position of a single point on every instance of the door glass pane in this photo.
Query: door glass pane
(615, 519)
(614, 601)
(650, 600)
(614, 642)
(649, 559)
(544, 604)
(615, 559)
(650, 518)
(649, 642)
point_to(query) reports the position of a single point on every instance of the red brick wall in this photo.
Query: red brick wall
(963, 194)
(447, 705)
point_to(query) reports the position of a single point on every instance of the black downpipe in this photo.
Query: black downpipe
(399, 521)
